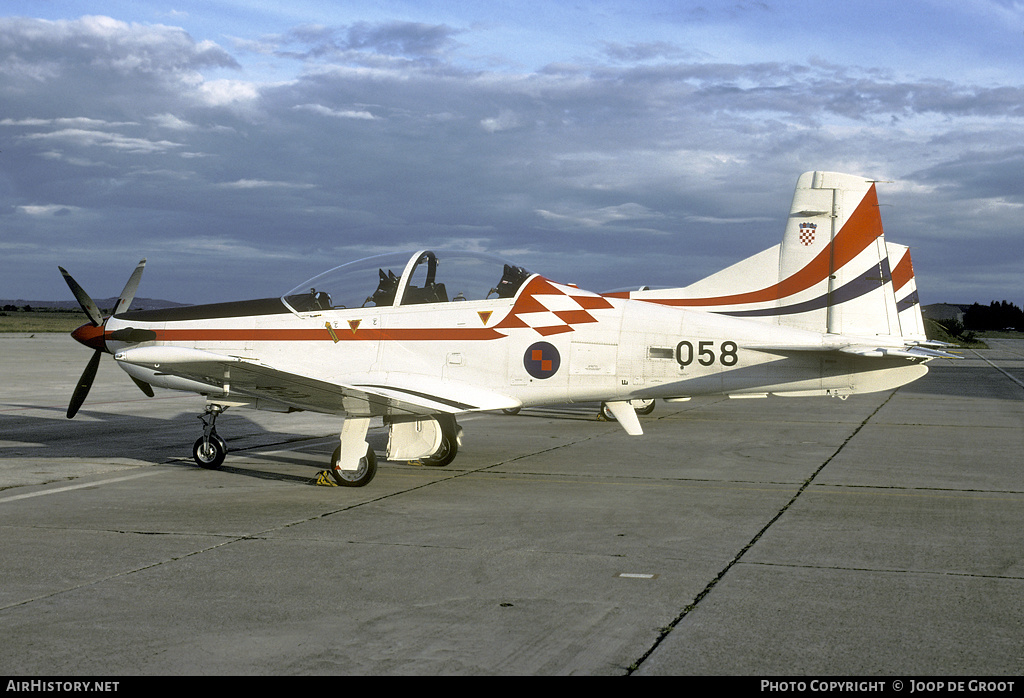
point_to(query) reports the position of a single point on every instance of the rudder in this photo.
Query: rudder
(834, 272)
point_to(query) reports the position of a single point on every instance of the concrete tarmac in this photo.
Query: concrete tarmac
(877, 536)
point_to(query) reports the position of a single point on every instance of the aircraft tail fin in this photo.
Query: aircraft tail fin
(904, 287)
(834, 244)
(832, 273)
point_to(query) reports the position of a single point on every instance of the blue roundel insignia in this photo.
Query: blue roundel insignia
(541, 360)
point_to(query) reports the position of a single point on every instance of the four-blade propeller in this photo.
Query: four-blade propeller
(91, 334)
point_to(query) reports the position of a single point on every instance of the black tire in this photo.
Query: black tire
(512, 410)
(354, 478)
(645, 406)
(211, 455)
(605, 413)
(445, 454)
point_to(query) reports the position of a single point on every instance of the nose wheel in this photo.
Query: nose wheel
(209, 449)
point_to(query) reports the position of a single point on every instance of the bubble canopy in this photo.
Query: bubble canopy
(404, 278)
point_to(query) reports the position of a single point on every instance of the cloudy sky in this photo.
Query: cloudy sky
(243, 146)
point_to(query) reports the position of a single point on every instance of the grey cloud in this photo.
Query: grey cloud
(384, 142)
(96, 65)
(359, 42)
(84, 138)
(979, 175)
(641, 51)
(403, 38)
(104, 44)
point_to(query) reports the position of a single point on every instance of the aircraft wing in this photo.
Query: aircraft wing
(384, 394)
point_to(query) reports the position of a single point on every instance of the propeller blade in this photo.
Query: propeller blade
(128, 294)
(87, 304)
(84, 383)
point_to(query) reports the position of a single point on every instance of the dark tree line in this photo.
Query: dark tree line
(997, 315)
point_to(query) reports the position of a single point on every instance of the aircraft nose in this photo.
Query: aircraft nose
(91, 336)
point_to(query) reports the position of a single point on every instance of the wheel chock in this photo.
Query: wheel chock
(324, 479)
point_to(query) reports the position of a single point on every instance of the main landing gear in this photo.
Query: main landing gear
(426, 440)
(641, 406)
(451, 437)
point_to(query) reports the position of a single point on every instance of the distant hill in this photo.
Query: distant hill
(102, 303)
(945, 311)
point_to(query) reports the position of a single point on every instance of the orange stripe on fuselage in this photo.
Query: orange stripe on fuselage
(312, 335)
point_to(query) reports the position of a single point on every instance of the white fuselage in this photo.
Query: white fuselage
(622, 350)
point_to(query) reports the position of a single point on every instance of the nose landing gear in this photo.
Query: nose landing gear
(209, 449)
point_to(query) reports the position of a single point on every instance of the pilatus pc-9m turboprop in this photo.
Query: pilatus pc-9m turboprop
(419, 339)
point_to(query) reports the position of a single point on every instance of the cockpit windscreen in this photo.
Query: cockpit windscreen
(400, 279)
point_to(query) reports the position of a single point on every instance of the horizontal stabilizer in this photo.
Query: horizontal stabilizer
(911, 352)
(935, 344)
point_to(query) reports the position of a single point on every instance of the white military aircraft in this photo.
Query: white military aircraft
(420, 338)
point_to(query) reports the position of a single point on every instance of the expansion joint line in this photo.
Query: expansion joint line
(1005, 373)
(446, 477)
(743, 551)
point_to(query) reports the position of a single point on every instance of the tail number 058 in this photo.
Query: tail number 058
(705, 354)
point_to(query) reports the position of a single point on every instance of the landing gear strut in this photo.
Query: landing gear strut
(353, 463)
(209, 449)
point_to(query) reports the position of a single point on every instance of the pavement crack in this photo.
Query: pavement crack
(666, 630)
(123, 573)
(887, 570)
